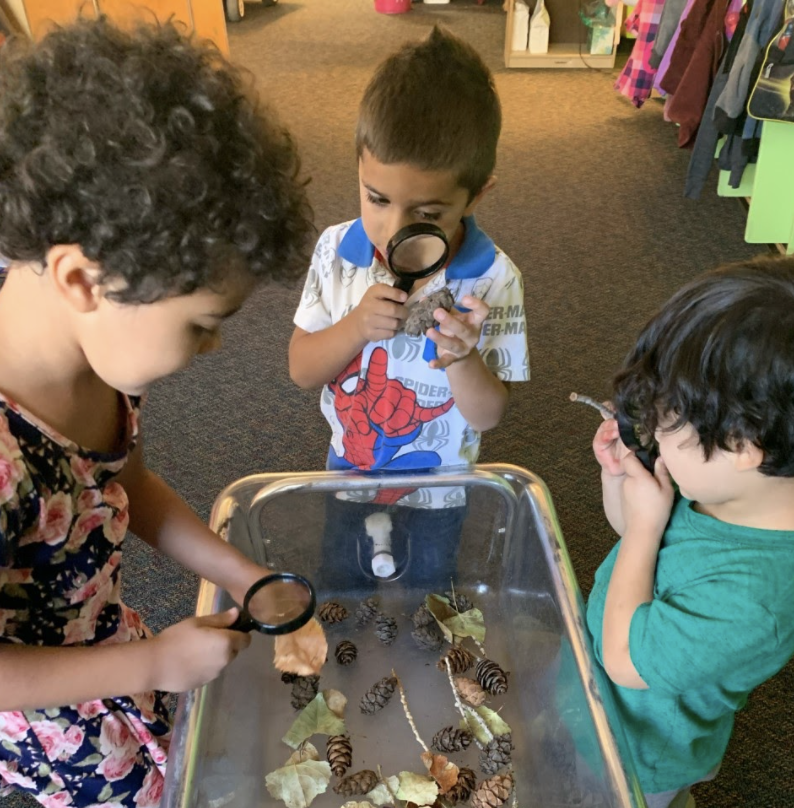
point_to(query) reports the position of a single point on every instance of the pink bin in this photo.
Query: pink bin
(392, 6)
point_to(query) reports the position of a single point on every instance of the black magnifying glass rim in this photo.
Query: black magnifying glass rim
(412, 231)
(291, 625)
(646, 455)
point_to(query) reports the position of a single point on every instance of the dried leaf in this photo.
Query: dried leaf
(297, 784)
(314, 718)
(467, 624)
(364, 804)
(453, 623)
(419, 789)
(336, 702)
(444, 772)
(383, 794)
(306, 751)
(492, 720)
(303, 651)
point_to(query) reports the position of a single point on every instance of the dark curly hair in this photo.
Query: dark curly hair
(720, 356)
(148, 150)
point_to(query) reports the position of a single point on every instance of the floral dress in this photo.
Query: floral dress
(63, 519)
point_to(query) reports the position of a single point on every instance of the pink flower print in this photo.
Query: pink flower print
(51, 737)
(89, 499)
(151, 791)
(139, 729)
(13, 726)
(83, 470)
(85, 523)
(57, 800)
(55, 518)
(7, 440)
(74, 737)
(117, 767)
(12, 471)
(116, 497)
(91, 709)
(9, 773)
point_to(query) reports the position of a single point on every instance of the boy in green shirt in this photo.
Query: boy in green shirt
(694, 607)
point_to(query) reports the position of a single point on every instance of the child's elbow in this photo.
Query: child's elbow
(301, 378)
(620, 669)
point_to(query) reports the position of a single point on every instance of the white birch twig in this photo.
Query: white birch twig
(605, 411)
(408, 712)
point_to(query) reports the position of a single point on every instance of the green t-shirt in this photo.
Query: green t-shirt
(721, 622)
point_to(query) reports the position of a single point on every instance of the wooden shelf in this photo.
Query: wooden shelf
(567, 41)
(559, 55)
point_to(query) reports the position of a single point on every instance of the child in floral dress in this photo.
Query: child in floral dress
(142, 195)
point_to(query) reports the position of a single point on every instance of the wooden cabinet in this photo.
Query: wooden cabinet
(567, 40)
(204, 17)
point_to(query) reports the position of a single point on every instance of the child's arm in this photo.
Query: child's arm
(316, 358)
(646, 503)
(479, 395)
(160, 517)
(184, 656)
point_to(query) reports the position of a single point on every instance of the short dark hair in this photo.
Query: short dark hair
(720, 356)
(433, 105)
(147, 149)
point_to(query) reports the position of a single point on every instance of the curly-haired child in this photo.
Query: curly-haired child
(694, 607)
(143, 193)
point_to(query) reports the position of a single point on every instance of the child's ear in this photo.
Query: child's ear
(747, 456)
(75, 278)
(489, 184)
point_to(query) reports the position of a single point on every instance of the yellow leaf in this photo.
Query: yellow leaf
(303, 651)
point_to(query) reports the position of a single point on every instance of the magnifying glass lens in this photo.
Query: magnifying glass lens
(280, 602)
(417, 253)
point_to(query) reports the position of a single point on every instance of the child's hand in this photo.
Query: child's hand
(647, 498)
(194, 651)
(380, 313)
(458, 332)
(609, 449)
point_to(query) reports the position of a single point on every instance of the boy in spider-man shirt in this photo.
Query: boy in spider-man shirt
(426, 140)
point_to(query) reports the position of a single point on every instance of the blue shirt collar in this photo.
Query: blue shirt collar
(475, 256)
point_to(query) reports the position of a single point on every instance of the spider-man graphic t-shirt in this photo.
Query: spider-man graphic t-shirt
(388, 409)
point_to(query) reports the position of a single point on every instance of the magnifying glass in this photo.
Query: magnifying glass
(638, 441)
(277, 604)
(416, 251)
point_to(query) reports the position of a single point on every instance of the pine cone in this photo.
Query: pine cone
(358, 783)
(460, 660)
(450, 739)
(493, 792)
(332, 612)
(346, 652)
(288, 678)
(366, 610)
(459, 602)
(497, 753)
(470, 691)
(304, 689)
(386, 629)
(377, 697)
(422, 616)
(428, 637)
(461, 791)
(339, 754)
(491, 677)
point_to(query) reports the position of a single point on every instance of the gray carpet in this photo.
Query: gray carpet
(588, 204)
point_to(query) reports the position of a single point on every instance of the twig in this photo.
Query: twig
(480, 646)
(462, 710)
(606, 411)
(408, 712)
(385, 782)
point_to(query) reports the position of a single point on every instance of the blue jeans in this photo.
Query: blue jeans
(424, 546)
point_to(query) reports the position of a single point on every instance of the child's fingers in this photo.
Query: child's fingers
(385, 292)
(478, 309)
